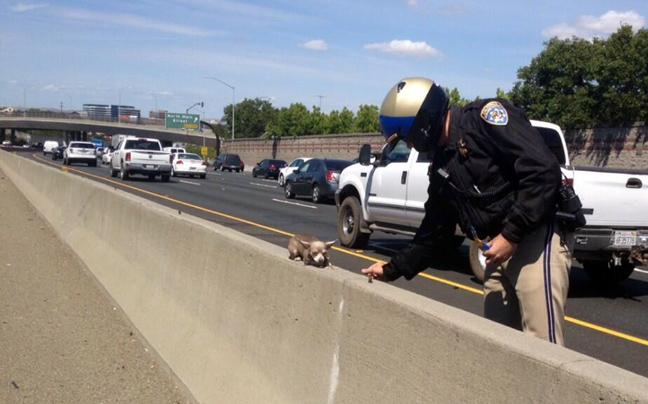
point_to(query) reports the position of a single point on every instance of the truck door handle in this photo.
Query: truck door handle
(404, 177)
(633, 183)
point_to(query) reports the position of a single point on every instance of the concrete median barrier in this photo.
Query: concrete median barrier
(237, 322)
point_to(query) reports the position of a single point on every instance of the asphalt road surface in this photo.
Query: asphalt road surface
(608, 324)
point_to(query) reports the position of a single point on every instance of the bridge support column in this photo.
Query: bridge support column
(13, 136)
(84, 136)
(2, 134)
(66, 137)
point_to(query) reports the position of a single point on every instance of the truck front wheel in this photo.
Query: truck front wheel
(606, 273)
(349, 222)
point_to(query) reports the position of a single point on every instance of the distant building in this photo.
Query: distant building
(112, 112)
(126, 111)
(158, 114)
(97, 111)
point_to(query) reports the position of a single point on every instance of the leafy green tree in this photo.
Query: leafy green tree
(455, 97)
(621, 72)
(499, 93)
(292, 121)
(319, 122)
(558, 84)
(341, 121)
(366, 121)
(577, 83)
(252, 117)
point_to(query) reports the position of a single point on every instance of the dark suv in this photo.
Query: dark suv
(230, 162)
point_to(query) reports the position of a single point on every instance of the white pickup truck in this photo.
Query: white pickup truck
(389, 196)
(142, 156)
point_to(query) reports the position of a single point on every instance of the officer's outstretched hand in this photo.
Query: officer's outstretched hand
(375, 271)
(500, 250)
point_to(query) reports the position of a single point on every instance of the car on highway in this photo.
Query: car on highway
(229, 162)
(99, 152)
(143, 156)
(189, 164)
(317, 178)
(267, 168)
(80, 152)
(175, 149)
(290, 168)
(106, 157)
(6, 144)
(57, 152)
(48, 146)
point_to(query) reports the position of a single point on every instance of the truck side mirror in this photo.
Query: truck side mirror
(364, 157)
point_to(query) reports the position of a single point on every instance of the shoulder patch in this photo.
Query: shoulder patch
(494, 113)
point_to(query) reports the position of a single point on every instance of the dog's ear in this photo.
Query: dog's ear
(306, 244)
(329, 244)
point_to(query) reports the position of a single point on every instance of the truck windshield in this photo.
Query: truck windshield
(142, 145)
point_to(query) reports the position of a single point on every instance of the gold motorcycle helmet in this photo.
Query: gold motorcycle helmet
(414, 110)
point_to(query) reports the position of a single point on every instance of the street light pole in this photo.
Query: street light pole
(154, 96)
(233, 101)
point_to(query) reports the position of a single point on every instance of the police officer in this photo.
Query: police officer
(492, 174)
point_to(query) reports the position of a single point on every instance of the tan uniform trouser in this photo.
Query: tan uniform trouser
(528, 292)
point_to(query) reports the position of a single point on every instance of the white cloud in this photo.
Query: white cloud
(588, 26)
(315, 44)
(412, 3)
(133, 21)
(405, 47)
(21, 7)
(51, 87)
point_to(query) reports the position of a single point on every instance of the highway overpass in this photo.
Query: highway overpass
(78, 129)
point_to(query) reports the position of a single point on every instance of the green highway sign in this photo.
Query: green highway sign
(182, 121)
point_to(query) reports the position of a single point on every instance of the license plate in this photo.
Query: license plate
(192, 168)
(150, 166)
(625, 238)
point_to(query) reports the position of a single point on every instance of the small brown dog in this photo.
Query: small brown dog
(310, 249)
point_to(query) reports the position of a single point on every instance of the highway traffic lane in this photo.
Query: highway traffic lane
(594, 343)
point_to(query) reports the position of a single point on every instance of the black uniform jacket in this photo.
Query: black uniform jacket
(502, 179)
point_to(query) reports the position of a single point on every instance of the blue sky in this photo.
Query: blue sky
(347, 52)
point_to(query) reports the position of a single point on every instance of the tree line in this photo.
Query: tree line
(575, 83)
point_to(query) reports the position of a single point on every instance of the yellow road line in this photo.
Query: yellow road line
(342, 250)
(607, 331)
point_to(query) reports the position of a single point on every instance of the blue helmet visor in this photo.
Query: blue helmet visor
(399, 125)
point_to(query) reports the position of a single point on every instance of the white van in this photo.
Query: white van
(174, 150)
(48, 146)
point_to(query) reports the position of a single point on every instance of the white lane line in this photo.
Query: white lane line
(263, 185)
(641, 270)
(189, 182)
(295, 203)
